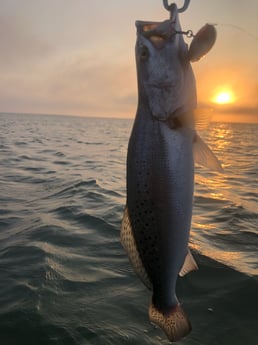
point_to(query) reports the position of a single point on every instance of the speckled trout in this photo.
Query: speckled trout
(160, 169)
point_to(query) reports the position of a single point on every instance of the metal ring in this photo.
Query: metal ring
(166, 5)
(180, 10)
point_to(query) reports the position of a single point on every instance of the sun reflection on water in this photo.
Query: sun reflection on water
(221, 137)
(225, 204)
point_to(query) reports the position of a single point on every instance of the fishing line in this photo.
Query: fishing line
(239, 28)
(190, 33)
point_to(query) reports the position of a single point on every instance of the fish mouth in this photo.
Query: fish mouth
(157, 30)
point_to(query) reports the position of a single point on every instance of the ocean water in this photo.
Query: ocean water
(64, 276)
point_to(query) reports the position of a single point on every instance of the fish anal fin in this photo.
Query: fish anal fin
(189, 265)
(175, 324)
(204, 156)
(129, 244)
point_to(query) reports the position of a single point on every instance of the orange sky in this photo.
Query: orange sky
(78, 57)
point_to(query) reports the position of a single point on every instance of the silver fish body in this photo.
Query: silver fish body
(159, 201)
(160, 171)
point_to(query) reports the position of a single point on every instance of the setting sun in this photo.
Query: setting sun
(224, 97)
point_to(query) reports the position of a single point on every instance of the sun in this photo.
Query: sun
(224, 97)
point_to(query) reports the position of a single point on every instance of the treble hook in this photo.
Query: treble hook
(180, 10)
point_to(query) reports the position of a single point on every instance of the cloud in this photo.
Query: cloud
(80, 60)
(92, 86)
(19, 44)
(44, 73)
(215, 75)
(77, 84)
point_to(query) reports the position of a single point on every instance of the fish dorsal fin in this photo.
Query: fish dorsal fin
(128, 242)
(189, 264)
(204, 156)
(202, 118)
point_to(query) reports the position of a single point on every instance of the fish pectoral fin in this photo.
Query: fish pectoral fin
(204, 156)
(129, 244)
(175, 323)
(189, 265)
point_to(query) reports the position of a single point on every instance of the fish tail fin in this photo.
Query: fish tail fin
(174, 323)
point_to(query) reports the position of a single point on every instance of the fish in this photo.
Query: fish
(162, 150)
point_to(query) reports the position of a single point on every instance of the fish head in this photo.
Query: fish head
(165, 77)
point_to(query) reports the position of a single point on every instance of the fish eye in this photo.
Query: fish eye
(144, 53)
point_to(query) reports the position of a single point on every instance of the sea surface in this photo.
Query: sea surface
(64, 276)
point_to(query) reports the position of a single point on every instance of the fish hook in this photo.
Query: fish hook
(180, 10)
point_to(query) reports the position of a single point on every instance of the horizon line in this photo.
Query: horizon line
(219, 112)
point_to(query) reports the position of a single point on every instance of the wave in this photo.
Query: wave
(70, 305)
(65, 278)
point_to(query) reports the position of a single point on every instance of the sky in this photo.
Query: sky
(77, 57)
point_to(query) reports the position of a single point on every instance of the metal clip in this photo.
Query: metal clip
(188, 33)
